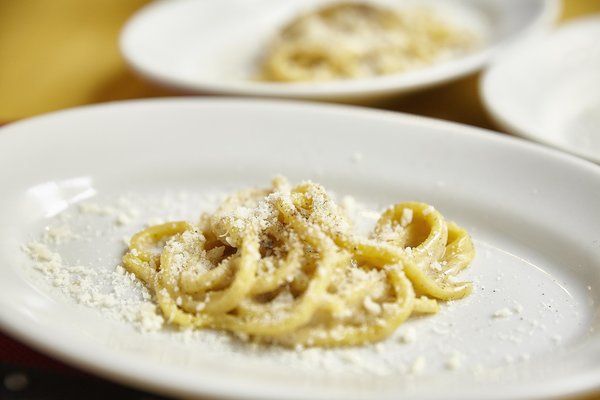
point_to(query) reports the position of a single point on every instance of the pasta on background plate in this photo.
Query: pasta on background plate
(351, 40)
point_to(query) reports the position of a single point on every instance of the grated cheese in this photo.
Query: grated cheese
(407, 217)
(418, 365)
(502, 313)
(116, 294)
(371, 306)
(408, 335)
(455, 360)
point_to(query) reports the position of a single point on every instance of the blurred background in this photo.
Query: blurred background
(63, 53)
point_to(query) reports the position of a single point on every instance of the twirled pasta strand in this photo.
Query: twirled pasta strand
(283, 265)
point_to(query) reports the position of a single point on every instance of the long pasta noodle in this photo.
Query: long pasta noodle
(285, 266)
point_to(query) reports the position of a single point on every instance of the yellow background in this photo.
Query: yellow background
(57, 54)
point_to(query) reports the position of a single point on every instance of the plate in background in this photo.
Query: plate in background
(215, 46)
(549, 89)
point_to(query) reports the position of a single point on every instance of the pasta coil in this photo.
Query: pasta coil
(284, 266)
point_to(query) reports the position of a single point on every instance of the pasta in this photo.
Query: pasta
(284, 265)
(356, 40)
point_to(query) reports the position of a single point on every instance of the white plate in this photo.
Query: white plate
(214, 46)
(549, 90)
(532, 211)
